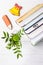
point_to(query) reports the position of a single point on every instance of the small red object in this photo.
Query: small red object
(20, 7)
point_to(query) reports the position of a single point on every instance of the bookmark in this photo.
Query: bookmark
(29, 13)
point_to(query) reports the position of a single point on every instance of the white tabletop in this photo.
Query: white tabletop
(32, 55)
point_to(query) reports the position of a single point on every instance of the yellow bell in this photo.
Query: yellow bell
(16, 10)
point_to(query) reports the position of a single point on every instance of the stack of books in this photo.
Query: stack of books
(32, 22)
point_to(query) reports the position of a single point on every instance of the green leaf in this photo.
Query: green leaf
(6, 40)
(22, 30)
(12, 44)
(21, 55)
(18, 55)
(3, 37)
(10, 39)
(7, 35)
(19, 34)
(9, 44)
(20, 44)
(17, 45)
(8, 47)
(16, 48)
(17, 51)
(4, 34)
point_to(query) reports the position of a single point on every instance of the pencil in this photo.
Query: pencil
(7, 21)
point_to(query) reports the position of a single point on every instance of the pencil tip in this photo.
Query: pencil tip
(10, 27)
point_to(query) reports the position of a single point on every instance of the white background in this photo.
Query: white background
(32, 55)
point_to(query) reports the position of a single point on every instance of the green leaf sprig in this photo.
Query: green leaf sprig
(14, 41)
